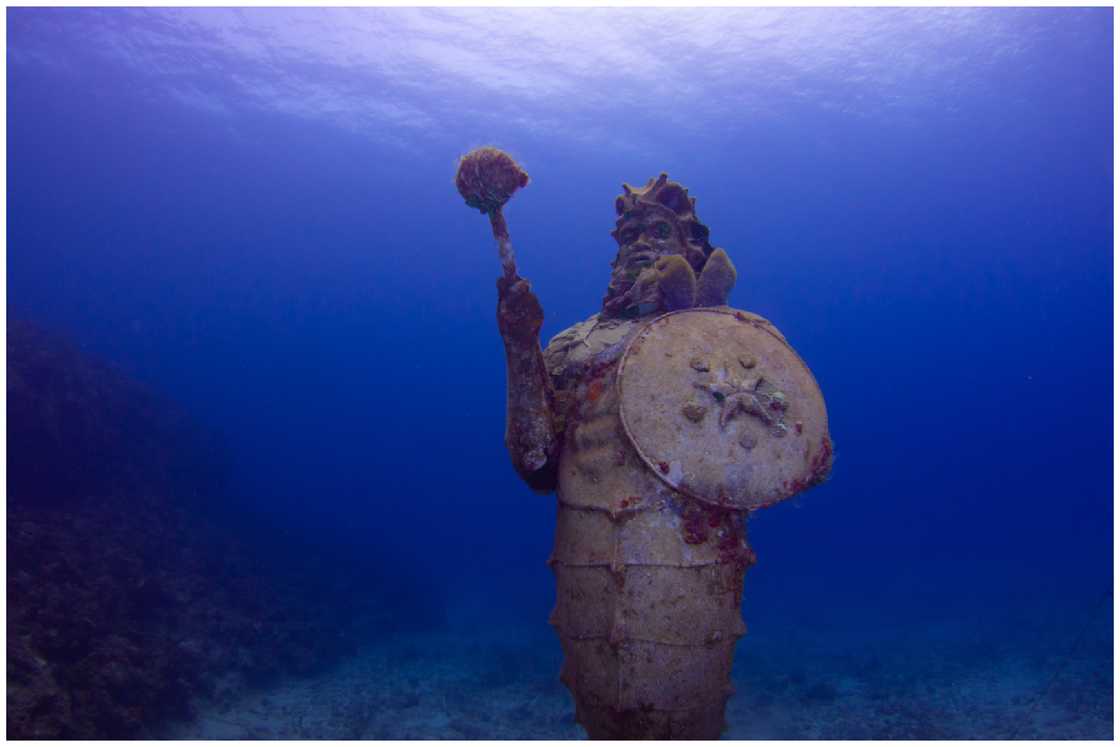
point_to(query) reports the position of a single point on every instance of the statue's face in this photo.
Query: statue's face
(643, 237)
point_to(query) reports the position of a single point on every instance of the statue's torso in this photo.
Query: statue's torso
(648, 580)
(599, 470)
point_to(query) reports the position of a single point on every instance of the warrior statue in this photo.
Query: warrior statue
(660, 422)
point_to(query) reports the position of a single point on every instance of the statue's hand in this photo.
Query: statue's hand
(520, 315)
(677, 282)
(716, 280)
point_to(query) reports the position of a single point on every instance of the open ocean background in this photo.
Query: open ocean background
(251, 212)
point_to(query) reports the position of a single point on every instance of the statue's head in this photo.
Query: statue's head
(654, 221)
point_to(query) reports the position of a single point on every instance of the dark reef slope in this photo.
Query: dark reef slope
(131, 595)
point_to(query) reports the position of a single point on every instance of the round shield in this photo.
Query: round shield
(722, 409)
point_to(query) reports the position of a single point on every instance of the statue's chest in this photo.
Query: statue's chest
(598, 466)
(598, 463)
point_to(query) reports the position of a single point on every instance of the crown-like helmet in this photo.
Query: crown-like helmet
(670, 200)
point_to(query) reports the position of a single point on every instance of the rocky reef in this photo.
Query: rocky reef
(132, 599)
(78, 427)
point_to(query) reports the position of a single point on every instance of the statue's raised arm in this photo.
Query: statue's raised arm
(531, 420)
(487, 178)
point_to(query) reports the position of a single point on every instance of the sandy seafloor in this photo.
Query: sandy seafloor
(1007, 678)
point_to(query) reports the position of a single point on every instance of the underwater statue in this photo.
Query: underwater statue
(661, 422)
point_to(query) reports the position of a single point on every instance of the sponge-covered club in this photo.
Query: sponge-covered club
(486, 178)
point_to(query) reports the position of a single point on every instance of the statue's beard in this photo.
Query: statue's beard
(621, 281)
(622, 295)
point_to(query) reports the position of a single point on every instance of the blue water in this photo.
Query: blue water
(252, 211)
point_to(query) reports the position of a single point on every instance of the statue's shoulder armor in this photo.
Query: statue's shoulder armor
(595, 341)
(722, 409)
